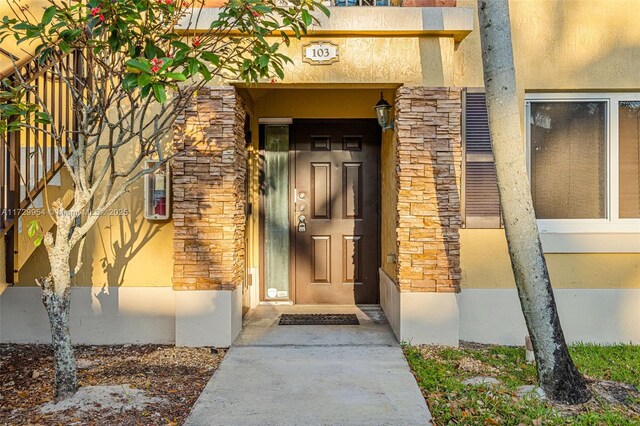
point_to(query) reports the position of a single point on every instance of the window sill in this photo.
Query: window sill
(590, 242)
(589, 226)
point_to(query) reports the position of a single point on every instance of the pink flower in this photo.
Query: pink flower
(95, 11)
(101, 17)
(156, 64)
(168, 1)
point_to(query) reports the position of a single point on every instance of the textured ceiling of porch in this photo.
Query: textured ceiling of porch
(321, 101)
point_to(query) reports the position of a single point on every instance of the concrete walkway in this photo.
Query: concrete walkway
(312, 375)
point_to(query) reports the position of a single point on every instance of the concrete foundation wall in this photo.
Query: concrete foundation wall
(602, 316)
(390, 301)
(127, 315)
(587, 315)
(208, 317)
(420, 317)
(98, 317)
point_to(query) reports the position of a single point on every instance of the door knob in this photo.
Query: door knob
(302, 226)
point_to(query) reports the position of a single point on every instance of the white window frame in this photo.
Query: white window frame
(612, 223)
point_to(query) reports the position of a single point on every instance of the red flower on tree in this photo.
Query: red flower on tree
(156, 63)
(95, 11)
(196, 41)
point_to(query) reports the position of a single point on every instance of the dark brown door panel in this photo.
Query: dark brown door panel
(336, 187)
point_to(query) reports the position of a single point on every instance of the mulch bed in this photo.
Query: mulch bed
(174, 374)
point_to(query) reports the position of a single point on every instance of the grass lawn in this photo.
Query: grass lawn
(440, 372)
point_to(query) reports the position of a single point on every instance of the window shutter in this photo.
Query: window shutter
(480, 190)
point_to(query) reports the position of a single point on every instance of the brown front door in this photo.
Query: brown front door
(335, 183)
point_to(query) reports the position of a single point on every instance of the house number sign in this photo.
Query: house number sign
(320, 53)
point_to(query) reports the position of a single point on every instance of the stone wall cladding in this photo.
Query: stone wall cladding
(209, 192)
(429, 155)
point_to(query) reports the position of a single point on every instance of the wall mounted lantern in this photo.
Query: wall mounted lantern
(156, 192)
(383, 112)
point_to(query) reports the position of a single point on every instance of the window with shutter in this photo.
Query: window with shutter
(481, 207)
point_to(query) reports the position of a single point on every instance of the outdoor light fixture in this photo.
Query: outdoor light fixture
(156, 192)
(383, 111)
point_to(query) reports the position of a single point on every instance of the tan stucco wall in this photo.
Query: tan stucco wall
(22, 51)
(425, 61)
(568, 45)
(120, 250)
(485, 264)
(564, 45)
(559, 45)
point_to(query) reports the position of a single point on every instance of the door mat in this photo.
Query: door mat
(318, 319)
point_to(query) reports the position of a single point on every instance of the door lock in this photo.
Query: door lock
(302, 225)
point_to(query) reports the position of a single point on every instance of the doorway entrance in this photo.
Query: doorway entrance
(332, 215)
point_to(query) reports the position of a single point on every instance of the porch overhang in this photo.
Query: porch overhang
(456, 22)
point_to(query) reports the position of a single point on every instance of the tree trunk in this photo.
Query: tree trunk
(57, 301)
(557, 374)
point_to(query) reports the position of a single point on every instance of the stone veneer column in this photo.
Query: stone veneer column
(209, 192)
(429, 159)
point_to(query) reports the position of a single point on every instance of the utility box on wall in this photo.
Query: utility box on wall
(157, 184)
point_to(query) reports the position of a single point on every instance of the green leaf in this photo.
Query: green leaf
(138, 65)
(278, 71)
(194, 65)
(323, 9)
(38, 241)
(43, 118)
(145, 90)
(33, 228)
(306, 17)
(285, 38)
(176, 76)
(211, 57)
(159, 93)
(64, 46)
(144, 79)
(260, 8)
(180, 45)
(130, 81)
(25, 26)
(114, 41)
(48, 15)
(205, 72)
